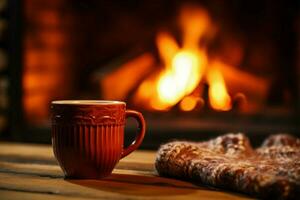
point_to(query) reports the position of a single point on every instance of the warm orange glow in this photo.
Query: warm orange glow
(135, 69)
(180, 80)
(183, 67)
(47, 74)
(219, 98)
(188, 70)
(167, 47)
(194, 22)
(188, 103)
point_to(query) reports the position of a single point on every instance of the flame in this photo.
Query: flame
(180, 80)
(184, 68)
(194, 22)
(167, 47)
(219, 98)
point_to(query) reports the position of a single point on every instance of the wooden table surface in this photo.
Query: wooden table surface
(30, 172)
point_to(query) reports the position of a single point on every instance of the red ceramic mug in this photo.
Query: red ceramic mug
(88, 136)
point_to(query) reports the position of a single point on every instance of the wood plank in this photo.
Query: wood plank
(39, 155)
(36, 153)
(31, 169)
(117, 186)
(18, 195)
(121, 165)
(26, 150)
(54, 171)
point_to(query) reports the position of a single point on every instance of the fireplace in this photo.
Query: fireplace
(196, 69)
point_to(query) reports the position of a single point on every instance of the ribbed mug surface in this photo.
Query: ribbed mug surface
(88, 139)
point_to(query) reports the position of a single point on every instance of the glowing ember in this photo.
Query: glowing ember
(188, 103)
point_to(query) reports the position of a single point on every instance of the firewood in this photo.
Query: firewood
(117, 84)
(253, 87)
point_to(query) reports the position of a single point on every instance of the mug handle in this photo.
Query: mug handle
(139, 136)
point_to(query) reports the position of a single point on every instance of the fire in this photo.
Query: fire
(219, 98)
(184, 68)
(180, 80)
(182, 73)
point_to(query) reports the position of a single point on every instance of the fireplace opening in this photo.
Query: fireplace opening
(195, 69)
(187, 73)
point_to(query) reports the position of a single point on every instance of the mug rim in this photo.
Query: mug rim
(87, 102)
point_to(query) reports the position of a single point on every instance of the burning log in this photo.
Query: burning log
(253, 87)
(117, 84)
